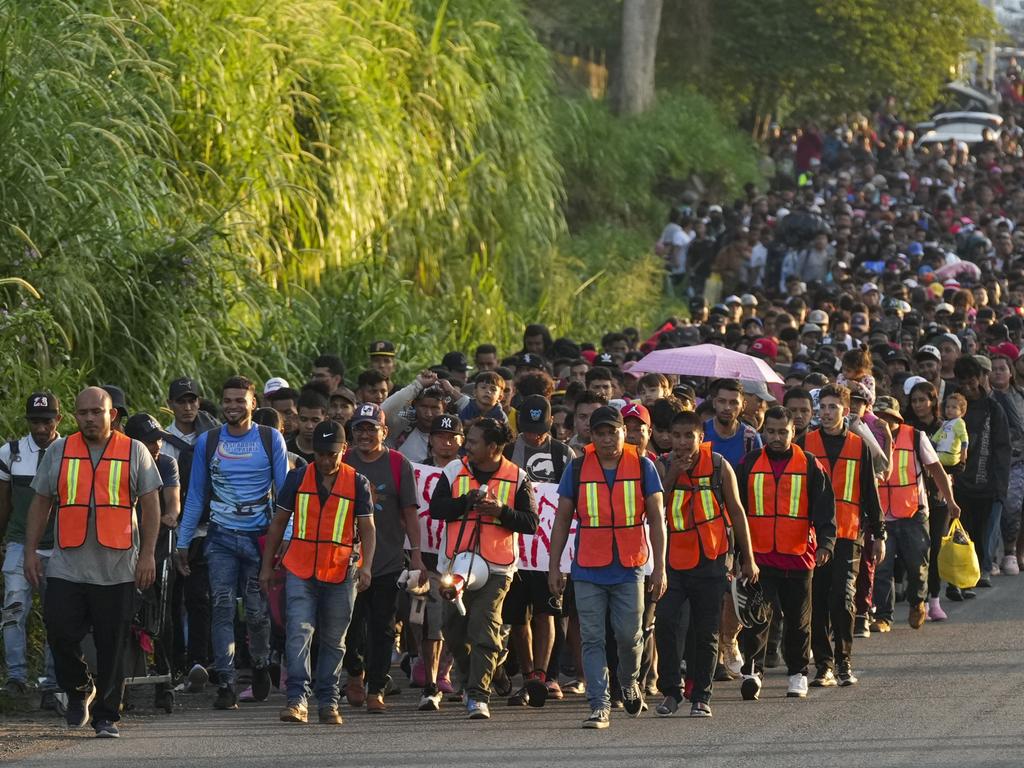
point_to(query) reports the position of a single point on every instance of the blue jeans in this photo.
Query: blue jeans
(16, 609)
(234, 563)
(623, 604)
(327, 609)
(993, 534)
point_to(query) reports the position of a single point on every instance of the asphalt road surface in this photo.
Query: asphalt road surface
(948, 694)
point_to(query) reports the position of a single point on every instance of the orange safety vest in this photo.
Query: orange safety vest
(778, 510)
(497, 543)
(106, 487)
(323, 535)
(845, 477)
(899, 494)
(611, 513)
(691, 532)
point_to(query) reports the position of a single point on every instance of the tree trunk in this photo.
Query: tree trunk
(641, 20)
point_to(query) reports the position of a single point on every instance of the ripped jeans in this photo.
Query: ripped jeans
(16, 609)
(234, 563)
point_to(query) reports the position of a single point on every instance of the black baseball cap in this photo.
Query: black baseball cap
(530, 360)
(144, 428)
(446, 423)
(117, 399)
(367, 412)
(181, 387)
(534, 415)
(455, 361)
(606, 414)
(328, 437)
(42, 405)
(605, 360)
(385, 348)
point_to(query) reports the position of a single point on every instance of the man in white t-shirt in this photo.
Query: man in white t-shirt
(905, 504)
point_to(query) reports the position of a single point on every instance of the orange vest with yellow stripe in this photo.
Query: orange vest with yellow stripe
(497, 544)
(106, 487)
(614, 513)
(845, 477)
(323, 536)
(777, 510)
(696, 521)
(899, 494)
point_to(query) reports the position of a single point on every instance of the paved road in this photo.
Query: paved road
(949, 694)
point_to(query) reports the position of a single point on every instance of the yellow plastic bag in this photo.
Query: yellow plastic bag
(958, 562)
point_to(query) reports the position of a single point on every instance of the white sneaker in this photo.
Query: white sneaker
(994, 570)
(430, 702)
(797, 686)
(1010, 565)
(733, 659)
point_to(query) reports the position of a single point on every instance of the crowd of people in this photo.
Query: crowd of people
(718, 527)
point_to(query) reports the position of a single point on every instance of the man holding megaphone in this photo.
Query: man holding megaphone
(485, 501)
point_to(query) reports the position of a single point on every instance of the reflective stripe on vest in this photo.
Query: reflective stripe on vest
(845, 478)
(105, 487)
(323, 536)
(696, 522)
(614, 513)
(497, 544)
(780, 521)
(899, 494)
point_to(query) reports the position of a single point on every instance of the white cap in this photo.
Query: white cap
(945, 307)
(952, 339)
(748, 300)
(274, 384)
(868, 288)
(912, 382)
(733, 299)
(928, 350)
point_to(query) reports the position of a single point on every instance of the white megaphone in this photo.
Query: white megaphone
(468, 571)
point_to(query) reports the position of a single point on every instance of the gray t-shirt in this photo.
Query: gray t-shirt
(92, 563)
(388, 556)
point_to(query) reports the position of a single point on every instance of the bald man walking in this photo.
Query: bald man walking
(103, 488)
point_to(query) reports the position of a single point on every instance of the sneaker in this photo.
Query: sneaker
(198, 677)
(54, 701)
(295, 713)
(984, 582)
(861, 626)
(226, 698)
(536, 691)
(881, 626)
(418, 673)
(935, 612)
(391, 688)
(519, 699)
(247, 695)
(969, 594)
(954, 594)
(500, 682)
(575, 687)
(824, 678)
(916, 616)
(1010, 565)
(846, 677)
(106, 730)
(375, 703)
(995, 570)
(750, 688)
(478, 710)
(15, 688)
(599, 718)
(616, 698)
(77, 713)
(261, 683)
(633, 700)
(700, 709)
(732, 658)
(430, 701)
(797, 686)
(330, 715)
(355, 693)
(668, 707)
(772, 660)
(554, 690)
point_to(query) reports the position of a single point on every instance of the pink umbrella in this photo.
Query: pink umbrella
(707, 360)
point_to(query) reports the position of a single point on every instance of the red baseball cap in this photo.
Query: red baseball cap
(765, 347)
(636, 411)
(1007, 348)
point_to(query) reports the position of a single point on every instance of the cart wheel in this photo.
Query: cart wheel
(167, 701)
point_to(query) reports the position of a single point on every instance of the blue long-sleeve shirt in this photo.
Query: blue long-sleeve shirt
(241, 477)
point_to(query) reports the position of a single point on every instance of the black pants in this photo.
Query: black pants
(192, 593)
(833, 589)
(371, 635)
(73, 610)
(938, 526)
(793, 590)
(690, 607)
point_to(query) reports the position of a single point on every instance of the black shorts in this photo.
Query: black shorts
(528, 596)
